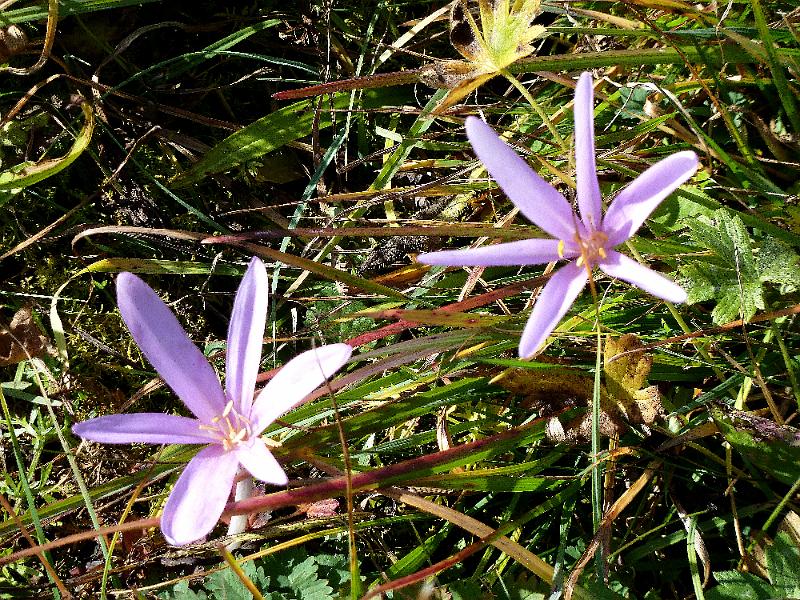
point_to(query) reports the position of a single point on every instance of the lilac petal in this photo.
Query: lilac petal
(620, 266)
(199, 495)
(635, 203)
(523, 252)
(144, 428)
(296, 380)
(540, 202)
(553, 302)
(166, 345)
(257, 459)
(589, 200)
(246, 336)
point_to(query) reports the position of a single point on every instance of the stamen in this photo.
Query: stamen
(227, 409)
(560, 248)
(229, 428)
(592, 247)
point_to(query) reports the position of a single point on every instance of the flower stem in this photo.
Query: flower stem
(597, 470)
(238, 523)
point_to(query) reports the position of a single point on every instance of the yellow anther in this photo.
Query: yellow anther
(560, 248)
(229, 428)
(227, 409)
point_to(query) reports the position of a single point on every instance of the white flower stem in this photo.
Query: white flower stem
(238, 523)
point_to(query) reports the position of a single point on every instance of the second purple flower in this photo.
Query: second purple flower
(587, 240)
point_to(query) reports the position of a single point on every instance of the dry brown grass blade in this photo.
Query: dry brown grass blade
(49, 38)
(43, 232)
(179, 234)
(611, 514)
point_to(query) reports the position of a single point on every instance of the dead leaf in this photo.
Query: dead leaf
(21, 339)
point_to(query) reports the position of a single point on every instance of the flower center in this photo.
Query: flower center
(592, 248)
(231, 428)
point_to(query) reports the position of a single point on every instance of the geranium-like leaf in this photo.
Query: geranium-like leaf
(731, 275)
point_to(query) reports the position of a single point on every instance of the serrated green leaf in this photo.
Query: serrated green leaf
(225, 585)
(730, 275)
(334, 568)
(306, 584)
(773, 456)
(777, 263)
(740, 586)
(783, 557)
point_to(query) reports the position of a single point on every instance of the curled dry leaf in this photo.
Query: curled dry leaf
(626, 366)
(21, 339)
(625, 398)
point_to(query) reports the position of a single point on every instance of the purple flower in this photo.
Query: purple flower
(590, 239)
(228, 421)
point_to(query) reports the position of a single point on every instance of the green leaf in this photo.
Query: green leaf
(293, 575)
(261, 137)
(733, 274)
(783, 557)
(154, 266)
(740, 586)
(27, 174)
(306, 584)
(181, 591)
(524, 587)
(465, 590)
(225, 43)
(226, 585)
(38, 12)
(777, 263)
(334, 568)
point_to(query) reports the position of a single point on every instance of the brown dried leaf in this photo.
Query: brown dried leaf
(21, 339)
(626, 363)
(626, 367)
